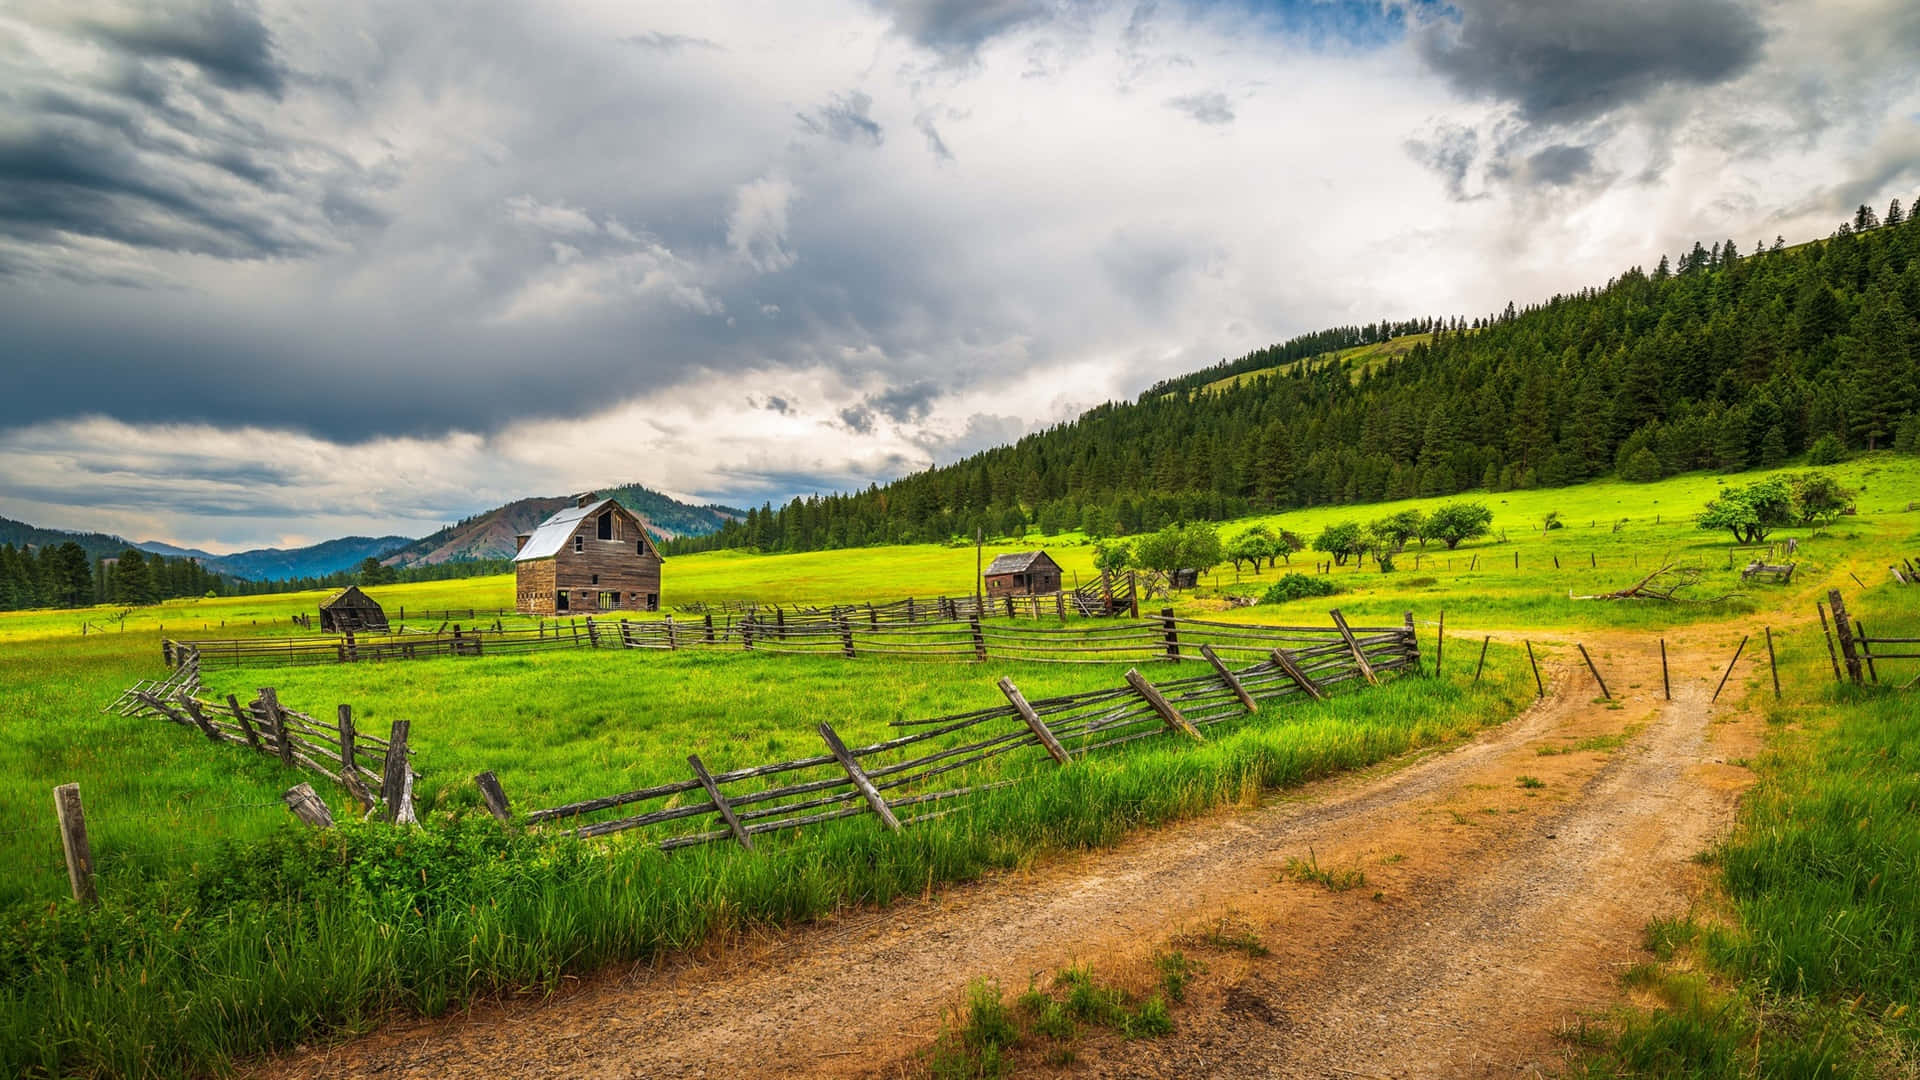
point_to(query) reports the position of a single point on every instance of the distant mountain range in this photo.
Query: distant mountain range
(490, 535)
(487, 535)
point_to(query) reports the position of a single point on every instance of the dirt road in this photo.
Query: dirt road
(1507, 882)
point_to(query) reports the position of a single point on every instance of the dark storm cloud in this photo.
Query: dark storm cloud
(1567, 61)
(906, 404)
(224, 39)
(1209, 108)
(956, 28)
(936, 145)
(845, 119)
(858, 419)
(1449, 150)
(1560, 164)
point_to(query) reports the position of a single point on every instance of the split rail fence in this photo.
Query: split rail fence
(1850, 648)
(900, 780)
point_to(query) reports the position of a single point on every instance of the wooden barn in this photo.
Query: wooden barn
(351, 610)
(593, 556)
(1023, 573)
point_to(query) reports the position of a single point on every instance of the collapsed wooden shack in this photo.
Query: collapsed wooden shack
(351, 610)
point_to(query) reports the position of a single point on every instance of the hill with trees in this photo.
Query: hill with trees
(1727, 359)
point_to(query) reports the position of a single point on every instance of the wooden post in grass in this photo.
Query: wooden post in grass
(246, 725)
(1843, 629)
(1353, 646)
(277, 724)
(720, 803)
(846, 637)
(707, 619)
(1170, 715)
(494, 796)
(1439, 642)
(1539, 687)
(1170, 633)
(1666, 684)
(1481, 666)
(307, 806)
(1133, 593)
(1730, 664)
(1516, 559)
(858, 776)
(1033, 721)
(1866, 648)
(1832, 657)
(673, 640)
(1593, 563)
(396, 782)
(1227, 676)
(979, 639)
(73, 841)
(345, 723)
(199, 719)
(746, 632)
(1298, 674)
(1596, 671)
(1772, 664)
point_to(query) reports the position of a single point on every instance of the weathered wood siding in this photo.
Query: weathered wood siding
(587, 568)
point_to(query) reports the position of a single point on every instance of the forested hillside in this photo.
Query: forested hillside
(1725, 360)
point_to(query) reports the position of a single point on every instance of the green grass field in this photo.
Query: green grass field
(1359, 360)
(195, 833)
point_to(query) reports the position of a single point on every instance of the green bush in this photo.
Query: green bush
(1297, 587)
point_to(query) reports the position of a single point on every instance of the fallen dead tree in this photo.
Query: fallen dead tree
(1665, 583)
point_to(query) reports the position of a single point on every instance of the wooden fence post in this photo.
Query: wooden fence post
(593, 634)
(1604, 692)
(1298, 674)
(1866, 648)
(1227, 676)
(246, 726)
(1843, 629)
(1439, 642)
(1832, 657)
(1133, 593)
(73, 840)
(673, 642)
(1538, 686)
(1772, 664)
(496, 799)
(1170, 715)
(1033, 721)
(709, 627)
(746, 632)
(1170, 633)
(345, 713)
(396, 784)
(307, 805)
(846, 637)
(1481, 666)
(1730, 665)
(979, 638)
(720, 802)
(858, 776)
(1666, 684)
(277, 724)
(1353, 646)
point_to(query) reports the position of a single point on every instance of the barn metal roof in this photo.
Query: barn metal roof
(551, 536)
(1018, 562)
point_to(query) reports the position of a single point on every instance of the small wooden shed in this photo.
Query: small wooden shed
(1023, 573)
(351, 609)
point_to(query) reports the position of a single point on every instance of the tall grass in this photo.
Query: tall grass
(307, 934)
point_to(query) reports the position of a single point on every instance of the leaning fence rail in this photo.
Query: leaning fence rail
(901, 780)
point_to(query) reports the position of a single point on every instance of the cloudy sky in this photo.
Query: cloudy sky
(274, 273)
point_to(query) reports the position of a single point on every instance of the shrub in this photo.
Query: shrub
(1297, 587)
(1642, 468)
(1826, 450)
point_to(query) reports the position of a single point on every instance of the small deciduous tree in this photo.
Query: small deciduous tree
(1342, 540)
(1456, 523)
(1115, 557)
(1818, 499)
(1251, 547)
(1751, 511)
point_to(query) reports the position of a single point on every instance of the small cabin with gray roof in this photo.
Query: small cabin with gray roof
(592, 557)
(1023, 573)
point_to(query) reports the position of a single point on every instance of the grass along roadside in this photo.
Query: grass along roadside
(305, 935)
(1808, 961)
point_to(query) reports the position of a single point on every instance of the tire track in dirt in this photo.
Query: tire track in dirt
(1491, 913)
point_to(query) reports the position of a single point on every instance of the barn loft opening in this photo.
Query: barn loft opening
(606, 525)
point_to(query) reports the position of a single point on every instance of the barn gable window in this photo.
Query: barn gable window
(579, 544)
(640, 547)
(606, 525)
